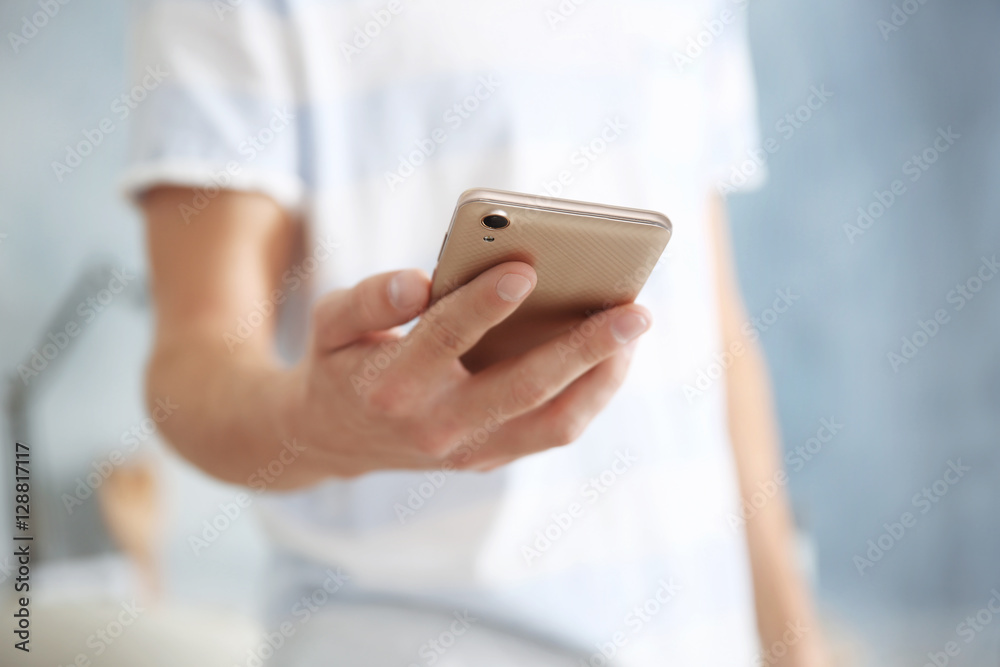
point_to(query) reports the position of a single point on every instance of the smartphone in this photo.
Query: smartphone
(588, 258)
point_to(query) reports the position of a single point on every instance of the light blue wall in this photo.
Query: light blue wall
(829, 353)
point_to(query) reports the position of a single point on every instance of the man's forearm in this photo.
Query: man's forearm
(206, 274)
(785, 615)
(232, 419)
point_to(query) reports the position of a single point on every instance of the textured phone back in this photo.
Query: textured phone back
(588, 258)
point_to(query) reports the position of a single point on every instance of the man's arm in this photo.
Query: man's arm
(206, 276)
(782, 596)
(238, 405)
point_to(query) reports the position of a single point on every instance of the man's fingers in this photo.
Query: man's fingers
(454, 324)
(565, 417)
(559, 422)
(520, 385)
(375, 304)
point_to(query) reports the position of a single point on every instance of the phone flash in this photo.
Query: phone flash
(488, 239)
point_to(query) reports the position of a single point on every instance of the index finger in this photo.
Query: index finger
(453, 325)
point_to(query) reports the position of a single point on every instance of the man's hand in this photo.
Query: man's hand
(363, 398)
(372, 400)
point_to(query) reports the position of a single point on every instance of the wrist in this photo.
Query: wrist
(295, 415)
(274, 412)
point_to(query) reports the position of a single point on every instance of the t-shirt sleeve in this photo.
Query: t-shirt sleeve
(735, 134)
(214, 100)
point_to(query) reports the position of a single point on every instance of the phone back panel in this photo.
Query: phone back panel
(588, 258)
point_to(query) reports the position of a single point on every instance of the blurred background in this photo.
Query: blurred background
(860, 347)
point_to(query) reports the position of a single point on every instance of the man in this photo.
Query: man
(310, 151)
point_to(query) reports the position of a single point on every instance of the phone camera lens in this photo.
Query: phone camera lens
(496, 221)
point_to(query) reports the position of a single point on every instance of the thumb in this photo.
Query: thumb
(375, 304)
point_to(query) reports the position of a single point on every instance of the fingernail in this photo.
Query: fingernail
(512, 287)
(628, 326)
(407, 290)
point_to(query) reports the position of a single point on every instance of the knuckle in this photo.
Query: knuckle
(567, 427)
(444, 336)
(433, 443)
(590, 352)
(462, 456)
(527, 392)
(394, 399)
(363, 303)
(460, 465)
(586, 343)
(483, 311)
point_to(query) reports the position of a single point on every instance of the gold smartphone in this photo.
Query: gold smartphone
(588, 258)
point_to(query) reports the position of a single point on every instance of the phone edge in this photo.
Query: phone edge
(569, 206)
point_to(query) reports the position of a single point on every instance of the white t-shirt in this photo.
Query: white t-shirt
(369, 119)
